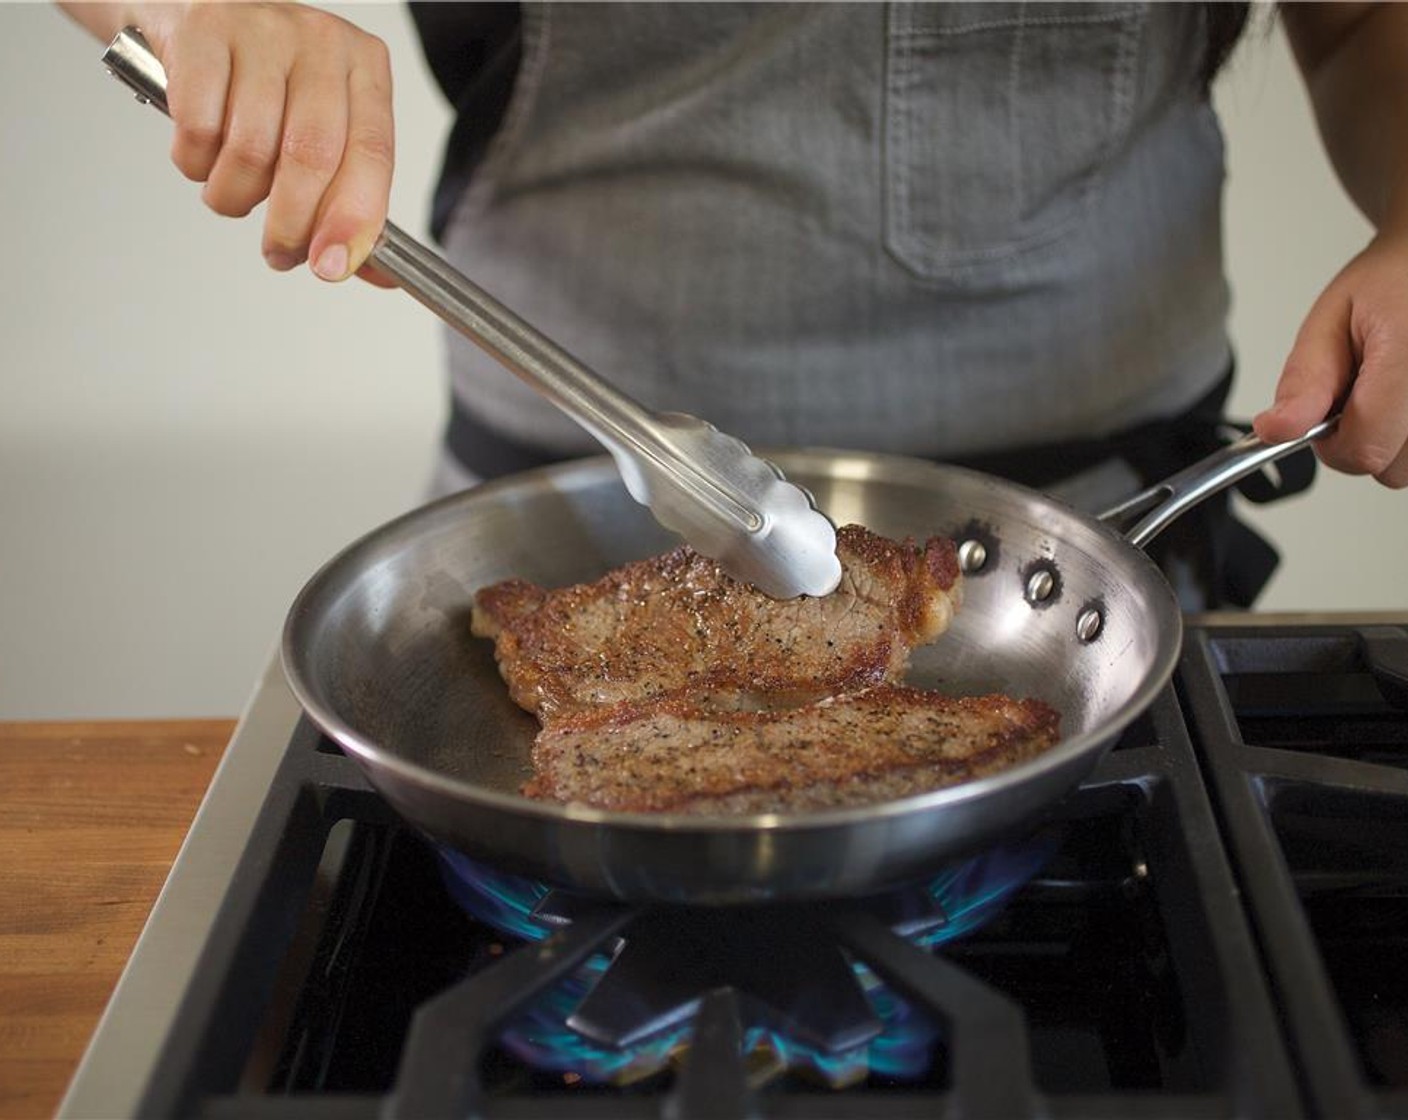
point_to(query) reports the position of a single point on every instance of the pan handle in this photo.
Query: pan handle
(1158, 506)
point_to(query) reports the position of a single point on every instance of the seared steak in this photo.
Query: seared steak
(677, 623)
(678, 756)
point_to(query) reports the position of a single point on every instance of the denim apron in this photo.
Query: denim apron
(947, 231)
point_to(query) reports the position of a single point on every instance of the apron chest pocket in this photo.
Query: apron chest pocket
(998, 121)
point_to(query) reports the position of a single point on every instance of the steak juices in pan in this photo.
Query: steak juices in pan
(669, 686)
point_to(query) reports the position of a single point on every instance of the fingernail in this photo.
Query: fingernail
(281, 261)
(332, 263)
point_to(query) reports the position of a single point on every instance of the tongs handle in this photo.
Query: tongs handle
(619, 422)
(602, 409)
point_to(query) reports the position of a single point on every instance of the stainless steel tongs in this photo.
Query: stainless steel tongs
(699, 482)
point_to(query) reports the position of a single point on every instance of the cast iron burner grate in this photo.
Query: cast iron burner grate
(629, 1010)
(1304, 734)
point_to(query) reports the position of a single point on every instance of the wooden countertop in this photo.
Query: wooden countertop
(91, 818)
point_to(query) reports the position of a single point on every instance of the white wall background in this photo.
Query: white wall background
(185, 436)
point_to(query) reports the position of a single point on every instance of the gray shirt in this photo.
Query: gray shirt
(924, 229)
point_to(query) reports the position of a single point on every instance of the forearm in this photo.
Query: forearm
(1351, 352)
(1355, 63)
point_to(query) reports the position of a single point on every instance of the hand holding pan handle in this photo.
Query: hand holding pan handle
(697, 481)
(1154, 509)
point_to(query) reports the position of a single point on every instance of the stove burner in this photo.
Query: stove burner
(623, 1017)
(796, 978)
(1221, 932)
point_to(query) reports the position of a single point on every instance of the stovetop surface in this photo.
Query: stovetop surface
(1215, 923)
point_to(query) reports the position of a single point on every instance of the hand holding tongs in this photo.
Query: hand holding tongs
(697, 481)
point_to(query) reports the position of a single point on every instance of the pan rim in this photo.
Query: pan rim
(842, 464)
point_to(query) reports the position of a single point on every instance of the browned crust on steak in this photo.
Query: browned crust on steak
(678, 756)
(678, 623)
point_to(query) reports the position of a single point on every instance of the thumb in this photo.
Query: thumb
(1317, 373)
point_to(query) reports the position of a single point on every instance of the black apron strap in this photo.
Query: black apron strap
(1212, 558)
(1223, 560)
(486, 453)
(1155, 450)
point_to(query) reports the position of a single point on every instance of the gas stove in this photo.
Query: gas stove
(1214, 924)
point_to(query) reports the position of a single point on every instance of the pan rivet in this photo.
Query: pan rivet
(1088, 624)
(1040, 586)
(972, 555)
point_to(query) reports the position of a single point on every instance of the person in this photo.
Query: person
(981, 233)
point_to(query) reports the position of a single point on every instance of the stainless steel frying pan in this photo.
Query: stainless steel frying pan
(1058, 605)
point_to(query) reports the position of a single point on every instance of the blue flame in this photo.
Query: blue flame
(972, 892)
(968, 894)
(541, 1037)
(505, 901)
